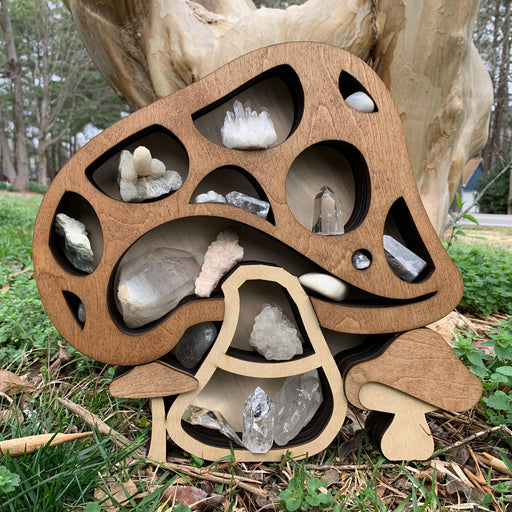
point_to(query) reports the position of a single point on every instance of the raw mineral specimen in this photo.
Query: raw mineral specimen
(143, 177)
(76, 241)
(81, 313)
(327, 213)
(295, 405)
(154, 283)
(326, 285)
(361, 101)
(248, 203)
(246, 129)
(210, 419)
(406, 264)
(194, 343)
(210, 197)
(258, 427)
(360, 260)
(274, 336)
(221, 256)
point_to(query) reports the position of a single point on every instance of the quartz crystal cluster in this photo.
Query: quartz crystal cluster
(274, 336)
(244, 128)
(327, 213)
(237, 199)
(142, 177)
(153, 284)
(266, 421)
(76, 241)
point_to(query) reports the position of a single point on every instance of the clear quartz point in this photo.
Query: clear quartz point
(258, 429)
(405, 264)
(248, 203)
(295, 405)
(327, 213)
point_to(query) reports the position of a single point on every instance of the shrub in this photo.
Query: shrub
(36, 188)
(495, 199)
(487, 275)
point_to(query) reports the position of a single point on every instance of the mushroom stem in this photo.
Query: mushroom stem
(158, 445)
(408, 436)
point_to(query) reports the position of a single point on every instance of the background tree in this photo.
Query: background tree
(422, 49)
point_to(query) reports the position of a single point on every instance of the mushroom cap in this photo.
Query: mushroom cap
(421, 364)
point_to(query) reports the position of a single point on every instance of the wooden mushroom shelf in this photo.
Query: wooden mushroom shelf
(321, 141)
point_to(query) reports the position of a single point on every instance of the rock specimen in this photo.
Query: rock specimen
(327, 213)
(360, 260)
(258, 426)
(210, 197)
(246, 129)
(210, 419)
(81, 313)
(406, 264)
(326, 285)
(76, 241)
(195, 342)
(274, 336)
(248, 203)
(154, 283)
(361, 101)
(143, 177)
(295, 405)
(222, 255)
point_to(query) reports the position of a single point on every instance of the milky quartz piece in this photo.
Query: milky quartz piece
(295, 405)
(246, 129)
(326, 285)
(258, 427)
(327, 213)
(248, 203)
(153, 284)
(360, 260)
(210, 197)
(361, 101)
(406, 264)
(274, 336)
(210, 419)
(142, 177)
(76, 241)
(221, 256)
(194, 343)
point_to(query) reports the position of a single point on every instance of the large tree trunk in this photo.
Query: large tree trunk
(20, 181)
(421, 48)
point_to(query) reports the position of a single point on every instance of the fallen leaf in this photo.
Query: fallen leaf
(11, 415)
(118, 493)
(5, 287)
(195, 498)
(12, 384)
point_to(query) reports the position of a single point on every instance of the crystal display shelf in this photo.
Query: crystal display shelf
(321, 141)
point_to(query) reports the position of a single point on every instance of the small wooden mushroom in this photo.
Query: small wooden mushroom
(416, 372)
(153, 380)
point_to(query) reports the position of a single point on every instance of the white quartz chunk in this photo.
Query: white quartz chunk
(406, 264)
(220, 257)
(361, 101)
(326, 285)
(143, 177)
(153, 284)
(76, 241)
(295, 405)
(210, 197)
(274, 336)
(360, 260)
(258, 426)
(244, 128)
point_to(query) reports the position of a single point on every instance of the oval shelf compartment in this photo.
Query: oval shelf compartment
(162, 144)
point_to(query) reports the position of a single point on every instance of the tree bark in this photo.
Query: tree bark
(422, 50)
(21, 178)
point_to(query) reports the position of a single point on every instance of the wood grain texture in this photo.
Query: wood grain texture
(421, 364)
(158, 447)
(323, 120)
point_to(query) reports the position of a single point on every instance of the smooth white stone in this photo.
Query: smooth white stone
(220, 257)
(274, 336)
(361, 101)
(326, 285)
(246, 129)
(194, 344)
(258, 427)
(76, 241)
(154, 283)
(295, 405)
(405, 263)
(210, 197)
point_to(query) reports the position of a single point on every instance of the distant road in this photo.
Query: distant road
(491, 219)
